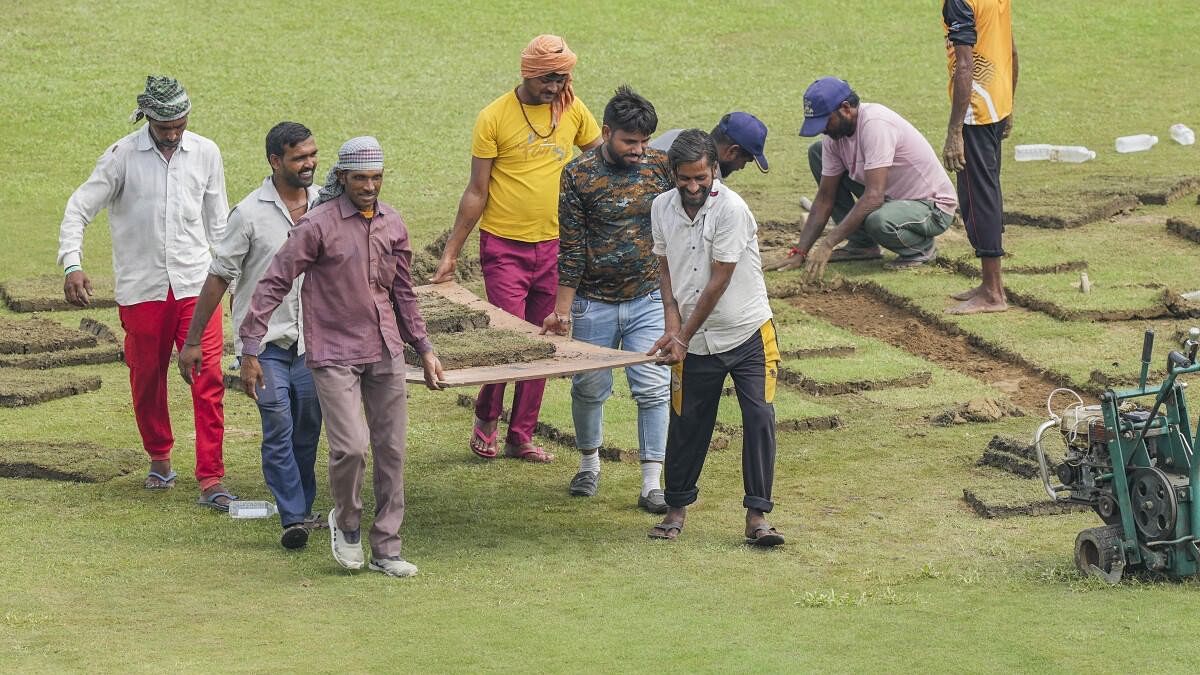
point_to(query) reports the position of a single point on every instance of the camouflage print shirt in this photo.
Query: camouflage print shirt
(605, 243)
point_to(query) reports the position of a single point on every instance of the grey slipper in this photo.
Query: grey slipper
(585, 484)
(654, 501)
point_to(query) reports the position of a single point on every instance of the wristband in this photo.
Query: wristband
(72, 268)
(679, 342)
(795, 251)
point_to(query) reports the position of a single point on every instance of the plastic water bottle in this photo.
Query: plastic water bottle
(1182, 135)
(1136, 143)
(1053, 153)
(248, 509)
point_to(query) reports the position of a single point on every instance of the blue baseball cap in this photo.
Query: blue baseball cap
(821, 99)
(749, 133)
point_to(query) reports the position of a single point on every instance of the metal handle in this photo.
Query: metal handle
(1179, 359)
(1045, 468)
(1147, 346)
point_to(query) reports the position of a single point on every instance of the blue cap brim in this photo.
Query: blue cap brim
(814, 126)
(761, 161)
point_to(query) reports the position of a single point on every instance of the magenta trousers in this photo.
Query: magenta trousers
(522, 279)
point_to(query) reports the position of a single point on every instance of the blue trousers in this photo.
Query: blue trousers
(291, 427)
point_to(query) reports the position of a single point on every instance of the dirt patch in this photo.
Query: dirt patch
(76, 462)
(817, 388)
(20, 387)
(967, 268)
(488, 347)
(31, 336)
(981, 410)
(45, 294)
(1184, 228)
(920, 333)
(446, 316)
(987, 505)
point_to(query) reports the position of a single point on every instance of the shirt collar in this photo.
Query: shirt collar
(268, 193)
(146, 142)
(713, 192)
(347, 207)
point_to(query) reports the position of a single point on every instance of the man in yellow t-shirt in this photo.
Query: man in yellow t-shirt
(520, 145)
(983, 80)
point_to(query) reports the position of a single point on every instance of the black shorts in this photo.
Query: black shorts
(979, 197)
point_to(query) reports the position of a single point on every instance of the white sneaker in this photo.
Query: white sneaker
(347, 555)
(393, 567)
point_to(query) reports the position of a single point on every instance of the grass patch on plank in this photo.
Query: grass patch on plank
(78, 461)
(486, 347)
(443, 315)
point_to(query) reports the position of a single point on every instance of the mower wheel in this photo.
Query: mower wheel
(1098, 553)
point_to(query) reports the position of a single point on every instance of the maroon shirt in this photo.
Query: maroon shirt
(356, 285)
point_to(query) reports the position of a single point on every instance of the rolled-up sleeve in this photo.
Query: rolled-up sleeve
(408, 314)
(216, 202)
(292, 260)
(230, 250)
(97, 192)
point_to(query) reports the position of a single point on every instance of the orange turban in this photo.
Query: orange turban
(548, 54)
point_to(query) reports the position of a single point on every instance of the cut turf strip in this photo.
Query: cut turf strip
(45, 294)
(20, 387)
(34, 335)
(818, 388)
(103, 353)
(1184, 228)
(1009, 497)
(488, 347)
(446, 316)
(979, 410)
(76, 462)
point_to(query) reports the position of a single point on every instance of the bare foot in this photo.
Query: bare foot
(967, 294)
(979, 304)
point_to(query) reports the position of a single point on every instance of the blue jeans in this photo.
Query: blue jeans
(633, 325)
(291, 426)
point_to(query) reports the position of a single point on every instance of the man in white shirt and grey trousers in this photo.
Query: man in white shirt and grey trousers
(164, 188)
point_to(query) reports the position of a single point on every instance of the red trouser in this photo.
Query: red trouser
(151, 330)
(521, 279)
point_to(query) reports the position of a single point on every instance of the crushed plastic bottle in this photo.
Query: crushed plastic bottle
(1182, 135)
(248, 509)
(1053, 153)
(1136, 143)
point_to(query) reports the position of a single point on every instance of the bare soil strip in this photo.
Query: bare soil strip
(932, 339)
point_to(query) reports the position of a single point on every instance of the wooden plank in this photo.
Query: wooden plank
(570, 356)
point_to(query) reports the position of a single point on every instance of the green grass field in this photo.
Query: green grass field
(886, 569)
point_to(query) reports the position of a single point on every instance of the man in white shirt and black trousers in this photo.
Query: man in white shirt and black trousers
(718, 324)
(164, 188)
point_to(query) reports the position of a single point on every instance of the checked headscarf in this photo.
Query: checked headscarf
(163, 101)
(362, 153)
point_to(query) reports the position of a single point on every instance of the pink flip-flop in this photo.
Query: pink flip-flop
(528, 452)
(483, 444)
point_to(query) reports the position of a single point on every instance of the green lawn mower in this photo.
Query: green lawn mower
(1134, 466)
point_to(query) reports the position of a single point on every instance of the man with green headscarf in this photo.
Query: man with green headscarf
(164, 188)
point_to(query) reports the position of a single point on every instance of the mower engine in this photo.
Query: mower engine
(1133, 466)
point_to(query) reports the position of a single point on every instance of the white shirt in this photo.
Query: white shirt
(163, 216)
(725, 231)
(258, 226)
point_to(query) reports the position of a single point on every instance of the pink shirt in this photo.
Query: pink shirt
(884, 139)
(356, 285)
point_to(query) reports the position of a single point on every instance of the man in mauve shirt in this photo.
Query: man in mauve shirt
(359, 311)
